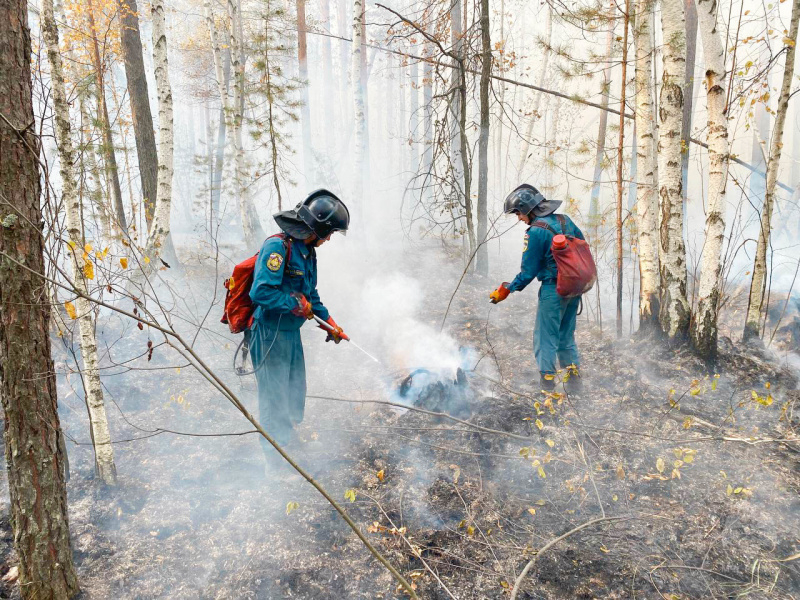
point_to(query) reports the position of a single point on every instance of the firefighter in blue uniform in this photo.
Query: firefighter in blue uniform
(284, 292)
(554, 332)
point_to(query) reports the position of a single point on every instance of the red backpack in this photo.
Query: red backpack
(577, 272)
(238, 313)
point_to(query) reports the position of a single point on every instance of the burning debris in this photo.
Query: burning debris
(438, 391)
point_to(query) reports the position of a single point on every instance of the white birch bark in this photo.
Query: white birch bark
(413, 117)
(537, 98)
(359, 107)
(646, 169)
(759, 282)
(83, 269)
(327, 74)
(159, 229)
(674, 311)
(704, 324)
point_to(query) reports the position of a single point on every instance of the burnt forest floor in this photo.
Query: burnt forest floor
(695, 471)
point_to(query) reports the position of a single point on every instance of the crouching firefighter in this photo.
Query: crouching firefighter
(554, 332)
(284, 296)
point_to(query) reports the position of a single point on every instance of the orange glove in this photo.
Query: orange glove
(303, 308)
(500, 293)
(335, 334)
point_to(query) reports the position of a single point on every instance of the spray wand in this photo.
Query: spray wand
(327, 327)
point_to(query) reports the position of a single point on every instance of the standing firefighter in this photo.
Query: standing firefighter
(284, 294)
(554, 332)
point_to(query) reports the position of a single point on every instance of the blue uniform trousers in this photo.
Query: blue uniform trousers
(277, 356)
(554, 333)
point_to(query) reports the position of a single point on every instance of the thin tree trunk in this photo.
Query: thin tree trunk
(600, 155)
(758, 284)
(459, 155)
(413, 116)
(305, 101)
(345, 29)
(160, 227)
(82, 265)
(34, 449)
(140, 104)
(621, 145)
(359, 105)
(704, 324)
(688, 97)
(646, 170)
(327, 74)
(533, 115)
(674, 316)
(482, 259)
(427, 99)
(93, 184)
(273, 134)
(109, 156)
(251, 226)
(499, 167)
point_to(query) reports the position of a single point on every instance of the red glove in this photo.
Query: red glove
(303, 308)
(335, 334)
(500, 293)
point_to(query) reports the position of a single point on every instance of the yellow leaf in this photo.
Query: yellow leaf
(381, 475)
(70, 308)
(615, 497)
(539, 424)
(550, 443)
(789, 41)
(88, 269)
(124, 262)
(688, 458)
(350, 495)
(541, 472)
(729, 491)
(540, 503)
(738, 490)
(470, 530)
(604, 549)
(532, 510)
(290, 506)
(687, 422)
(87, 248)
(146, 260)
(676, 474)
(660, 465)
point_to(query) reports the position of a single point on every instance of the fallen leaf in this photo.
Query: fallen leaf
(70, 308)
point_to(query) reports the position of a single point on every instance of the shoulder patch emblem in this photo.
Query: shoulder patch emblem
(274, 261)
(525, 243)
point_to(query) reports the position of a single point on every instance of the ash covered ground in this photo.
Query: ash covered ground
(696, 475)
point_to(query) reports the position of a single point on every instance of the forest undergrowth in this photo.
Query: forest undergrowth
(687, 477)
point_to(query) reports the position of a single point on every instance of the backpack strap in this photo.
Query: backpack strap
(563, 222)
(287, 243)
(543, 225)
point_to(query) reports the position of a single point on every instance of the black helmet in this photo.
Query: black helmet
(523, 200)
(324, 213)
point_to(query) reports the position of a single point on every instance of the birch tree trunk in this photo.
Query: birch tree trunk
(755, 303)
(482, 262)
(359, 106)
(159, 229)
(34, 449)
(704, 324)
(688, 96)
(646, 171)
(251, 226)
(537, 98)
(82, 265)
(109, 156)
(674, 316)
(146, 154)
(305, 100)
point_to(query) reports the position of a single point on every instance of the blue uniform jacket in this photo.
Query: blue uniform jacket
(274, 280)
(537, 258)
